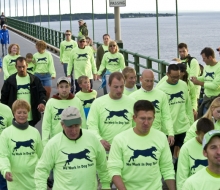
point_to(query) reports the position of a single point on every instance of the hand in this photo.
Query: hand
(0, 69)
(99, 77)
(53, 77)
(94, 76)
(171, 140)
(8, 176)
(195, 113)
(41, 107)
(105, 144)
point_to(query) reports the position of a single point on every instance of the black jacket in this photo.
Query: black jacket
(37, 91)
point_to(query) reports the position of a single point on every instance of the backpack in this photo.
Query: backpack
(189, 59)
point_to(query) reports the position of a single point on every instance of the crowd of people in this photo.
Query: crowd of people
(135, 137)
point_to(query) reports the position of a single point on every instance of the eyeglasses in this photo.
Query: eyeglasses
(82, 41)
(112, 45)
(67, 34)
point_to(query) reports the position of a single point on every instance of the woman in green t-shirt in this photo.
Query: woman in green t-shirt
(10, 59)
(44, 66)
(112, 61)
(21, 147)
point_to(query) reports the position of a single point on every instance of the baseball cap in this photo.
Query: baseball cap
(63, 79)
(4, 25)
(81, 20)
(81, 38)
(71, 116)
(208, 136)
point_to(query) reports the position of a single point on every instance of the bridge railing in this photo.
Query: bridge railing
(54, 38)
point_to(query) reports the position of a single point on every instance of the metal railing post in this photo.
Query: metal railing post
(136, 66)
(106, 4)
(177, 28)
(93, 30)
(70, 15)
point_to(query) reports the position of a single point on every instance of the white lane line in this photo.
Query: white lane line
(34, 44)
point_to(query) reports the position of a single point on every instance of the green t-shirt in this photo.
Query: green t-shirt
(162, 109)
(105, 48)
(191, 133)
(65, 49)
(191, 90)
(112, 62)
(51, 120)
(141, 161)
(19, 154)
(128, 91)
(74, 163)
(180, 105)
(87, 98)
(190, 161)
(44, 63)
(202, 180)
(108, 117)
(9, 65)
(31, 68)
(23, 91)
(193, 71)
(6, 117)
(83, 62)
(211, 79)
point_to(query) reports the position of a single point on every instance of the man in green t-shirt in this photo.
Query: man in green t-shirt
(208, 177)
(112, 113)
(179, 103)
(74, 155)
(66, 47)
(140, 156)
(160, 102)
(191, 159)
(25, 86)
(82, 60)
(54, 107)
(210, 79)
(192, 65)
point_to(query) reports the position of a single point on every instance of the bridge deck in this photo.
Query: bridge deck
(27, 46)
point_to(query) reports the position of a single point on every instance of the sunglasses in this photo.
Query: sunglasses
(112, 45)
(67, 34)
(82, 41)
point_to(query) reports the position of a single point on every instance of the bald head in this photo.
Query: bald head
(148, 73)
(147, 80)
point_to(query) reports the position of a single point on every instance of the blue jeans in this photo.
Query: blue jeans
(45, 78)
(3, 183)
(4, 49)
(65, 65)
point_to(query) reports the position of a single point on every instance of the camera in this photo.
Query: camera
(218, 49)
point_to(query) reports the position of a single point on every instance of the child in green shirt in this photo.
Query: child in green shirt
(86, 95)
(191, 159)
(29, 61)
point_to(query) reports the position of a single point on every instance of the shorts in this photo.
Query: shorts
(45, 78)
(179, 139)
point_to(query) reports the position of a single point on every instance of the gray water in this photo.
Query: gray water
(198, 30)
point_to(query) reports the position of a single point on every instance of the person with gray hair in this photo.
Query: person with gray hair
(74, 155)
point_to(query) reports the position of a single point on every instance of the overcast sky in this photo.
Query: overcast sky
(85, 6)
